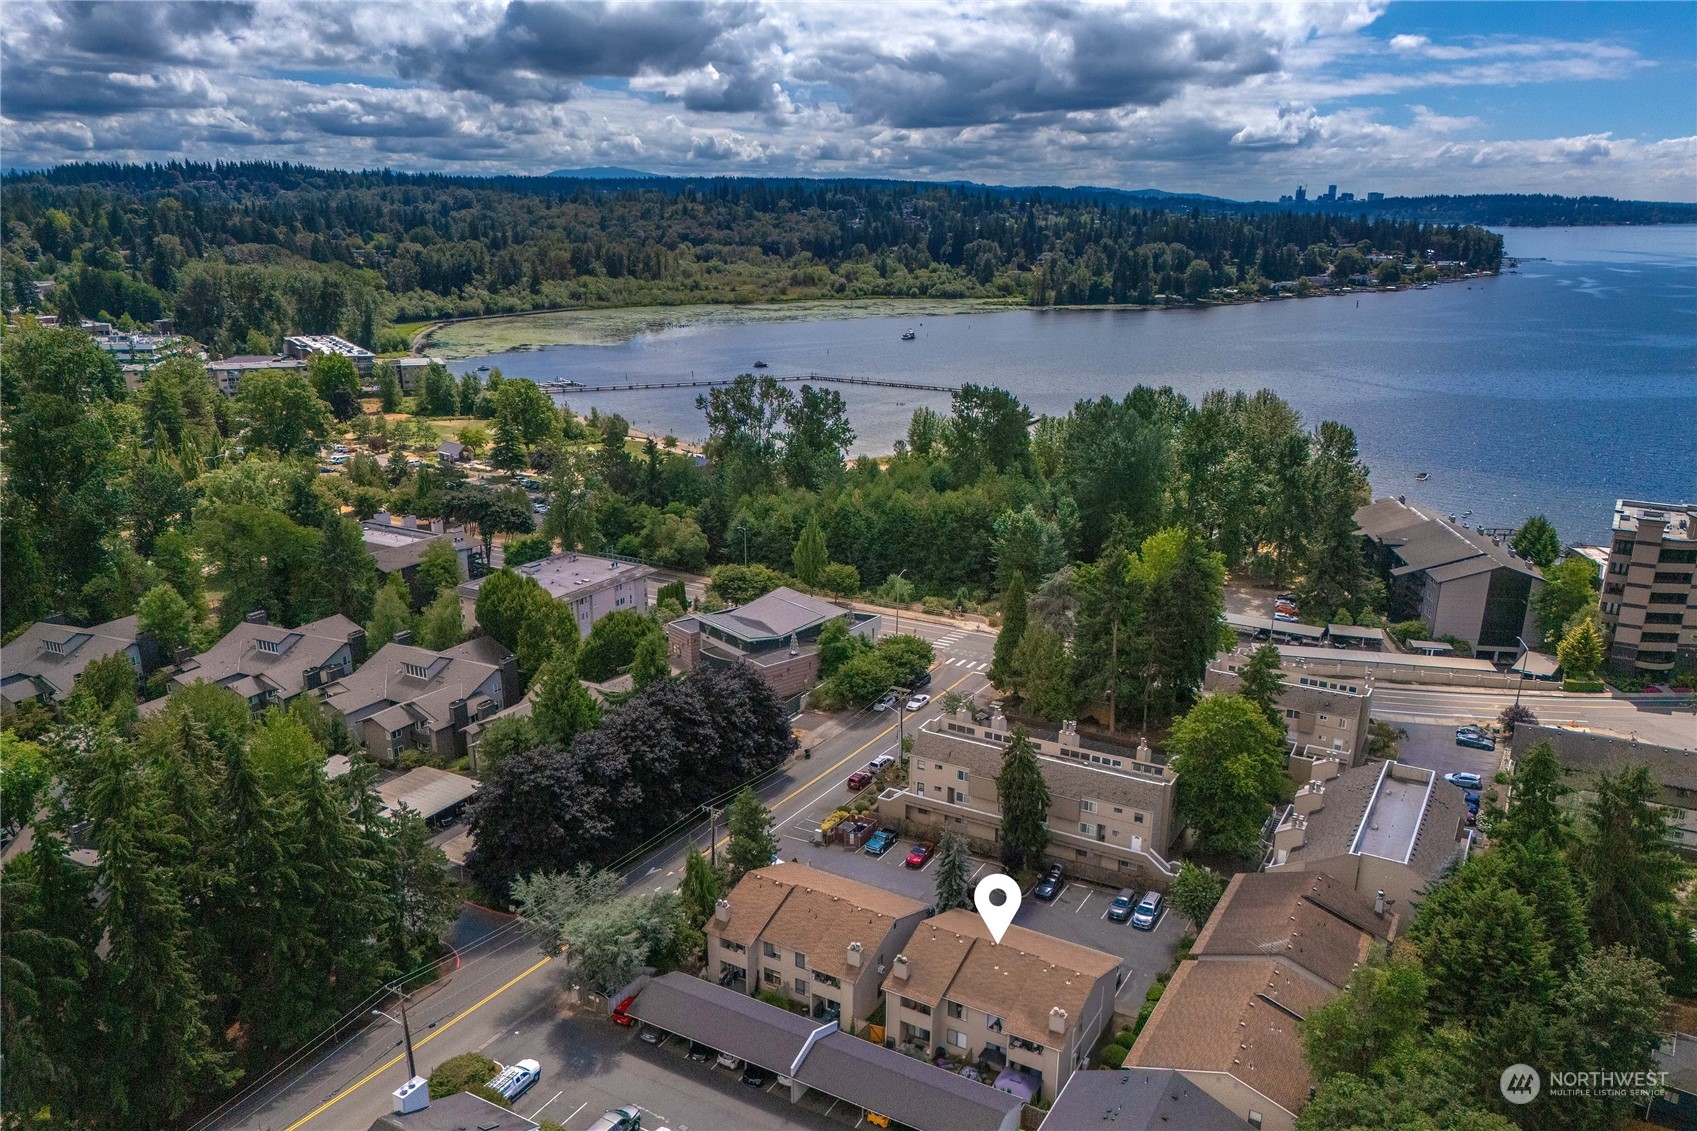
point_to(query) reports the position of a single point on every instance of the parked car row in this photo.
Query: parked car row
(862, 778)
(1475, 738)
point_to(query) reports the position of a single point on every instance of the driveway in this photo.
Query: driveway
(1433, 747)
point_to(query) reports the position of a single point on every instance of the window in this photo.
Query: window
(1659, 638)
(1086, 806)
(917, 1006)
(957, 1038)
(956, 1010)
(769, 950)
(1255, 1120)
(800, 960)
(1137, 818)
(1028, 1046)
(729, 945)
(825, 979)
(1117, 809)
(1660, 618)
(1667, 598)
(1678, 557)
(1619, 568)
(269, 647)
(1291, 714)
(919, 787)
(960, 775)
(1087, 829)
(417, 671)
(937, 765)
(772, 977)
(801, 987)
(55, 647)
(992, 1023)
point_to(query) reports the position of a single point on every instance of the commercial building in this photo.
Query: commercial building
(822, 940)
(1586, 754)
(1382, 827)
(1110, 806)
(398, 543)
(1460, 582)
(268, 665)
(776, 634)
(305, 345)
(45, 660)
(412, 698)
(228, 373)
(1276, 948)
(818, 1056)
(1649, 598)
(1324, 716)
(1031, 1005)
(592, 586)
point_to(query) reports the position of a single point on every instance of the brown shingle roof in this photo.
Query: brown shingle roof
(1020, 980)
(1236, 1016)
(810, 908)
(1307, 918)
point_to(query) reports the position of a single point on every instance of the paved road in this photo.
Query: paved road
(1655, 720)
(506, 999)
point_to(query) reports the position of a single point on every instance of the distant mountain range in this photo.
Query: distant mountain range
(604, 173)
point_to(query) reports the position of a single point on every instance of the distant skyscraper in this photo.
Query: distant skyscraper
(1347, 196)
(1373, 197)
(1301, 193)
(1331, 192)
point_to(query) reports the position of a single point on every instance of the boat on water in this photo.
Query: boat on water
(908, 336)
(1422, 477)
(483, 369)
(760, 365)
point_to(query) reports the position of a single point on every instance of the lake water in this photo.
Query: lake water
(1553, 390)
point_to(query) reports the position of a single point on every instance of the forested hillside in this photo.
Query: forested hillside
(240, 255)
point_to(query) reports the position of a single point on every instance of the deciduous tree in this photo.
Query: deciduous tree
(1230, 764)
(1196, 891)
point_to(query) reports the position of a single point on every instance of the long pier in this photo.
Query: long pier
(564, 388)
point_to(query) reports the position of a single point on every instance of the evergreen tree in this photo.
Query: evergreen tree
(347, 569)
(390, 613)
(1004, 672)
(700, 888)
(563, 709)
(1263, 683)
(1473, 925)
(753, 839)
(1536, 541)
(422, 894)
(1183, 608)
(1045, 674)
(388, 387)
(1581, 650)
(508, 452)
(1534, 813)
(1629, 871)
(1380, 1015)
(442, 625)
(810, 557)
(954, 873)
(1024, 797)
(1337, 483)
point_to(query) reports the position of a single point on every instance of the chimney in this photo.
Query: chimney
(853, 956)
(1379, 904)
(412, 1096)
(998, 721)
(409, 522)
(1069, 735)
(1311, 798)
(404, 636)
(382, 517)
(258, 617)
(183, 655)
(901, 967)
(1057, 1020)
(722, 911)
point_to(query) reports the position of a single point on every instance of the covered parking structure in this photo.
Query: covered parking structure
(822, 1057)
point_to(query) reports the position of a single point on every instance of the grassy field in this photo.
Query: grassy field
(609, 327)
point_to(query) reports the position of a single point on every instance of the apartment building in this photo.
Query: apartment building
(1276, 948)
(47, 659)
(1585, 754)
(1461, 582)
(1649, 599)
(1031, 1004)
(775, 634)
(228, 373)
(268, 665)
(1110, 806)
(821, 939)
(398, 544)
(412, 698)
(305, 345)
(1325, 716)
(1382, 827)
(592, 586)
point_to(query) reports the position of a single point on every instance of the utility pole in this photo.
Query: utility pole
(1113, 678)
(406, 1034)
(713, 835)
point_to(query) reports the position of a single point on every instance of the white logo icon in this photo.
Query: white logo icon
(997, 916)
(1520, 1084)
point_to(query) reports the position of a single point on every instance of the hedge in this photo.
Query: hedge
(1154, 992)
(1586, 685)
(1114, 1056)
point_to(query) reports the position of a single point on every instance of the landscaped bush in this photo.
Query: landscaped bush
(1153, 994)
(461, 1074)
(937, 606)
(1142, 1018)
(1114, 1056)
(1585, 685)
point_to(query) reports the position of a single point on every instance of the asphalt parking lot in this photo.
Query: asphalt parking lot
(1078, 914)
(711, 1078)
(1432, 746)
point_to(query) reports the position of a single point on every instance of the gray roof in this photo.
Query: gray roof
(238, 654)
(426, 790)
(1429, 825)
(909, 1091)
(384, 681)
(779, 613)
(1583, 752)
(451, 448)
(1137, 1099)
(461, 1111)
(570, 576)
(55, 672)
(399, 547)
(1444, 550)
(724, 1019)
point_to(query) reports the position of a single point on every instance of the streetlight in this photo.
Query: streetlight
(901, 694)
(1520, 668)
(406, 1034)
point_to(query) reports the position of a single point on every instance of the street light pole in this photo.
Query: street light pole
(1520, 666)
(406, 1034)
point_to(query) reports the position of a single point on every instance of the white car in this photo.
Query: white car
(917, 702)
(880, 763)
(726, 1060)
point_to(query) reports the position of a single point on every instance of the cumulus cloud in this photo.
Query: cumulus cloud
(1240, 99)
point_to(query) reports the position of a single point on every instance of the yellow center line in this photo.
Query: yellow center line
(829, 770)
(398, 1057)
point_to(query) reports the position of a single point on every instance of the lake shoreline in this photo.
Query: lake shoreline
(609, 326)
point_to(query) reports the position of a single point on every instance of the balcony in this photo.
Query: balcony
(825, 979)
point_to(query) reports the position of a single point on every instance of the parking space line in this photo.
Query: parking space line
(573, 1115)
(551, 1099)
(1082, 902)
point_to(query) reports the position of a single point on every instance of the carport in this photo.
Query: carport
(821, 1057)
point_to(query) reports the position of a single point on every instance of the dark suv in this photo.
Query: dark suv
(1050, 885)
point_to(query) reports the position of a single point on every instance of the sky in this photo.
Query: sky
(1240, 100)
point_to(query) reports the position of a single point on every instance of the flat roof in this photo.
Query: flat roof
(1392, 820)
(426, 790)
(567, 576)
(1681, 518)
(773, 616)
(1385, 659)
(461, 1111)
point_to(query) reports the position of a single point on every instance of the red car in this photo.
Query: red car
(919, 854)
(858, 781)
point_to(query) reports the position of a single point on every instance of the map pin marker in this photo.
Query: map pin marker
(997, 916)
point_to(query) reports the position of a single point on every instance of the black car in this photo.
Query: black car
(698, 1051)
(1050, 885)
(755, 1076)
